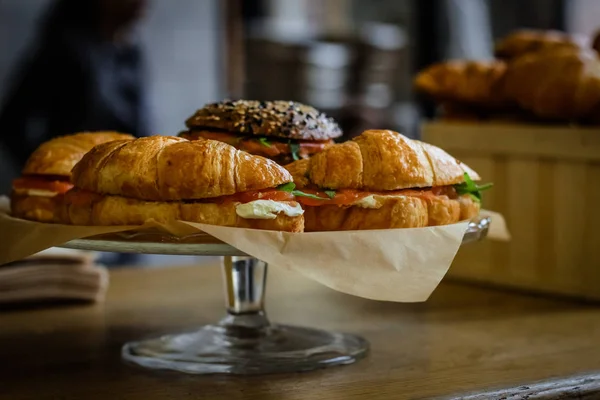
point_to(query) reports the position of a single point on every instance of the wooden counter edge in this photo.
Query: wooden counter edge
(580, 387)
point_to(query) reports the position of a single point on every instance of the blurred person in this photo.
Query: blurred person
(84, 73)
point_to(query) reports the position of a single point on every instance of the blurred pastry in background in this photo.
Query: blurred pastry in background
(283, 131)
(476, 84)
(541, 77)
(37, 194)
(527, 41)
(558, 84)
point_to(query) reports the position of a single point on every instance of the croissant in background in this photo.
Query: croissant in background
(528, 41)
(476, 83)
(556, 84)
(382, 180)
(166, 178)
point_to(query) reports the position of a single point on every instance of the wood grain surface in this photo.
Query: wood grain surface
(465, 342)
(541, 178)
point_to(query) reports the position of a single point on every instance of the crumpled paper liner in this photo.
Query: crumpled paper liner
(402, 265)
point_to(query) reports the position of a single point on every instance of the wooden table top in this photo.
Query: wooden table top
(465, 341)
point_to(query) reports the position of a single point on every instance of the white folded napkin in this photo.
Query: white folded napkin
(52, 275)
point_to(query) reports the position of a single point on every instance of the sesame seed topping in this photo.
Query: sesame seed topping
(277, 118)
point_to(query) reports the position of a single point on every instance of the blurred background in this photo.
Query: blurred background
(355, 59)
(147, 65)
(180, 70)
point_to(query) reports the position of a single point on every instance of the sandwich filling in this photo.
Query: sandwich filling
(256, 204)
(366, 199)
(370, 199)
(41, 186)
(262, 146)
(268, 209)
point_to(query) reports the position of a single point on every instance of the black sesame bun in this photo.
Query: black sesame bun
(282, 119)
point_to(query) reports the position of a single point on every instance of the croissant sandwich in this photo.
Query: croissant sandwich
(283, 131)
(38, 193)
(167, 178)
(383, 180)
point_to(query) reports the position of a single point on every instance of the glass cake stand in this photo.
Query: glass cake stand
(244, 341)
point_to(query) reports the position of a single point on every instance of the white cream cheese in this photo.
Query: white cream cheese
(367, 202)
(267, 209)
(371, 202)
(36, 192)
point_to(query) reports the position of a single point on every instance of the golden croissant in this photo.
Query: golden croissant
(38, 193)
(475, 83)
(166, 178)
(380, 180)
(528, 41)
(559, 84)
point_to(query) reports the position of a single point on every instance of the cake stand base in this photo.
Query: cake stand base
(247, 345)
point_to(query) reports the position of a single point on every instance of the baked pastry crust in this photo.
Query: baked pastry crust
(469, 208)
(561, 84)
(380, 160)
(475, 83)
(36, 208)
(393, 212)
(528, 41)
(58, 156)
(54, 159)
(167, 168)
(96, 209)
(285, 119)
(401, 212)
(299, 171)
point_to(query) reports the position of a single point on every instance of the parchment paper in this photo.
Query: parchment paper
(402, 265)
(498, 229)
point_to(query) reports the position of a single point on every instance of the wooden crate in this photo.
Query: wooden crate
(547, 185)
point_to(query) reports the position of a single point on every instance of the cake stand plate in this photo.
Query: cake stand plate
(200, 244)
(244, 342)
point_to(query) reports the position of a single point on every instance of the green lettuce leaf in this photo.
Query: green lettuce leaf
(295, 148)
(299, 193)
(287, 187)
(264, 142)
(471, 188)
(290, 187)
